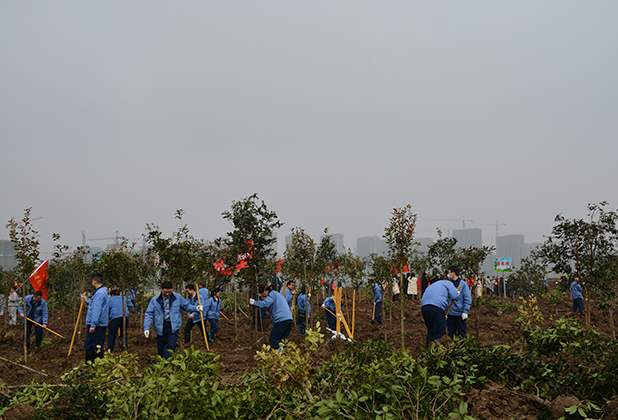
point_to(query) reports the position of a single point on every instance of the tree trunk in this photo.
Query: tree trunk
(611, 322)
(587, 308)
(25, 325)
(124, 339)
(235, 315)
(401, 301)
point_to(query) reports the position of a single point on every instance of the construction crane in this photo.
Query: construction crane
(116, 239)
(463, 221)
(497, 225)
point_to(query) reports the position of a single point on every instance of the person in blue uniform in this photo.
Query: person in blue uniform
(163, 313)
(377, 302)
(192, 317)
(97, 319)
(279, 312)
(304, 309)
(434, 303)
(288, 292)
(576, 295)
(457, 316)
(116, 304)
(36, 310)
(212, 311)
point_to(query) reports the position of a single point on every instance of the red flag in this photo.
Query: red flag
(333, 266)
(279, 264)
(242, 264)
(38, 278)
(219, 265)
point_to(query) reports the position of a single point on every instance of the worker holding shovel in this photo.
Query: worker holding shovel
(36, 310)
(377, 303)
(435, 304)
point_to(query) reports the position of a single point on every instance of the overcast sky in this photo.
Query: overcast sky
(115, 114)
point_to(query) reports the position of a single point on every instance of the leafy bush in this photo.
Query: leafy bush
(530, 314)
(502, 304)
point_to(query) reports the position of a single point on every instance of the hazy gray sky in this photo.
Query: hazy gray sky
(114, 114)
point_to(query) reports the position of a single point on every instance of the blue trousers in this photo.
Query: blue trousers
(280, 331)
(331, 320)
(38, 333)
(456, 326)
(95, 341)
(214, 327)
(435, 321)
(167, 341)
(376, 317)
(113, 326)
(578, 305)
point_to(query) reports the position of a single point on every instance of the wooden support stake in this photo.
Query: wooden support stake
(199, 299)
(22, 366)
(79, 315)
(353, 310)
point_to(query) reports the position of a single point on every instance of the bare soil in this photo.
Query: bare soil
(237, 346)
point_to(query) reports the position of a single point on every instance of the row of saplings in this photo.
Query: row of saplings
(366, 381)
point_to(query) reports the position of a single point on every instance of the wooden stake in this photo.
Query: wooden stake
(79, 315)
(40, 325)
(353, 310)
(199, 299)
(25, 367)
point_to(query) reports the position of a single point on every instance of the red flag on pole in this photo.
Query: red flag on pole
(38, 278)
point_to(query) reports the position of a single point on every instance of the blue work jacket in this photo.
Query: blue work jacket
(212, 308)
(440, 294)
(304, 306)
(114, 305)
(196, 314)
(377, 293)
(98, 312)
(277, 307)
(463, 303)
(576, 290)
(204, 295)
(289, 296)
(40, 310)
(155, 314)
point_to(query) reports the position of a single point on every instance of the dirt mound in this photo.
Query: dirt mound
(19, 412)
(495, 402)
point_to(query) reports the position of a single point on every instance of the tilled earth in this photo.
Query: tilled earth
(236, 343)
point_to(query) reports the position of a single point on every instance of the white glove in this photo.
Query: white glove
(464, 316)
(146, 333)
(324, 306)
(200, 308)
(251, 301)
(309, 295)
